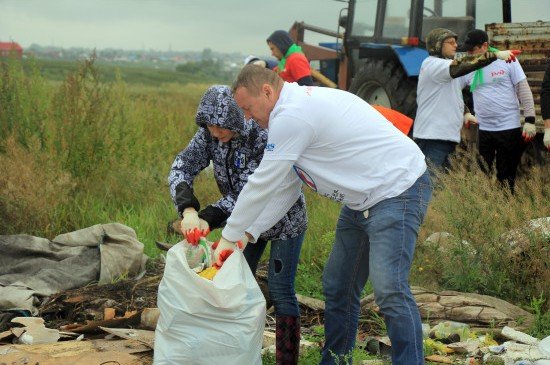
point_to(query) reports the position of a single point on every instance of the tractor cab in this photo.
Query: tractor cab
(384, 43)
(405, 22)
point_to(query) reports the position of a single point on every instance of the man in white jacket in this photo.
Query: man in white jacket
(341, 147)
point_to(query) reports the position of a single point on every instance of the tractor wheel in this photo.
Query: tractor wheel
(385, 83)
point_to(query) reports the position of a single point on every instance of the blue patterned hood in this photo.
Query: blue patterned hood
(232, 162)
(217, 107)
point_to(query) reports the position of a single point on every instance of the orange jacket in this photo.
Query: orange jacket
(400, 121)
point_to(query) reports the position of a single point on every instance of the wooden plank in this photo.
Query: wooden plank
(144, 336)
(109, 357)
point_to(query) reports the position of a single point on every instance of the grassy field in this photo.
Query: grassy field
(82, 144)
(131, 73)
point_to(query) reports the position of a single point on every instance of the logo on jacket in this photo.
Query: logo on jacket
(306, 179)
(240, 160)
(270, 147)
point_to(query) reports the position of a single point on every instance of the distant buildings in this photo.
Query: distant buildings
(6, 49)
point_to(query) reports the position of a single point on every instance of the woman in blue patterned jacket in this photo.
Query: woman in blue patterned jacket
(235, 147)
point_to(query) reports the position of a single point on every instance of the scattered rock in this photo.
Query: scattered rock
(480, 312)
(518, 336)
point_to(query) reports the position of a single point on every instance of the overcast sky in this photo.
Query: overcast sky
(182, 25)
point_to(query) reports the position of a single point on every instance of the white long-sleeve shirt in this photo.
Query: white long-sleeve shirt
(335, 143)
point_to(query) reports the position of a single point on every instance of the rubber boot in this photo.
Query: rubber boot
(287, 340)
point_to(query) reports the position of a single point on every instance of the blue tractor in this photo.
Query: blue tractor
(381, 43)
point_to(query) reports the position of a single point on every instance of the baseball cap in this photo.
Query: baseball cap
(474, 38)
(250, 59)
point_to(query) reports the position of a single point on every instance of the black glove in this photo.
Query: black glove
(214, 216)
(185, 198)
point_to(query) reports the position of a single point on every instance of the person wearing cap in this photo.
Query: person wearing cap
(545, 105)
(342, 148)
(271, 64)
(498, 89)
(235, 146)
(441, 110)
(293, 65)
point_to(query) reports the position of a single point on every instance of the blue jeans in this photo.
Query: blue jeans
(437, 151)
(380, 246)
(283, 263)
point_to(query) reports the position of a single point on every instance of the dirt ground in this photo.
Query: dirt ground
(84, 308)
(81, 305)
(88, 303)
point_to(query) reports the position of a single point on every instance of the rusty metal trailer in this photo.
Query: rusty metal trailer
(533, 39)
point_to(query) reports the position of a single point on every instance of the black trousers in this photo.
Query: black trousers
(504, 149)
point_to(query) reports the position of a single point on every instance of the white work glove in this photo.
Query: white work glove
(546, 139)
(192, 227)
(469, 119)
(224, 248)
(508, 56)
(529, 131)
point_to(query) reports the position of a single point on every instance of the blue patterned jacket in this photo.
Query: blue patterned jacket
(232, 163)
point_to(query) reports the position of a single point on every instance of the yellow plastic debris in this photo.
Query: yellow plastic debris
(437, 346)
(209, 273)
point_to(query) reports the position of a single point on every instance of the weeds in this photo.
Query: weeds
(541, 326)
(119, 278)
(373, 323)
(32, 188)
(23, 103)
(490, 248)
(83, 151)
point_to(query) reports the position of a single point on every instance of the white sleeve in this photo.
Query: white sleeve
(440, 70)
(288, 193)
(516, 72)
(525, 97)
(262, 186)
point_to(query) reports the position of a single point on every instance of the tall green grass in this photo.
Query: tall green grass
(482, 255)
(106, 148)
(135, 74)
(84, 151)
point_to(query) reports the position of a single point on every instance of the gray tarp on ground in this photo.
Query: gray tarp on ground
(33, 267)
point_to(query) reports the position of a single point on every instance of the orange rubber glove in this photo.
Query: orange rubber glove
(224, 248)
(193, 235)
(193, 227)
(508, 56)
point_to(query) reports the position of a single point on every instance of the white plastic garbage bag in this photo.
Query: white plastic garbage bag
(544, 347)
(219, 321)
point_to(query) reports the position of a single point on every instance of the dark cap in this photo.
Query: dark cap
(474, 38)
